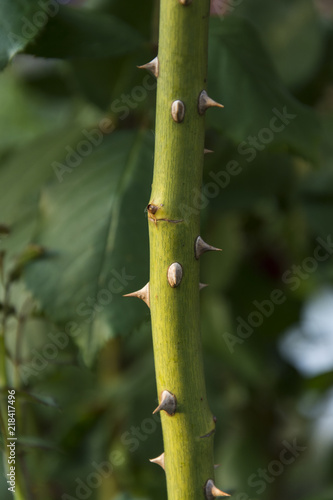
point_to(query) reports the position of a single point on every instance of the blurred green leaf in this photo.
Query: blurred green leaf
(251, 184)
(26, 114)
(76, 33)
(94, 225)
(323, 495)
(259, 111)
(316, 188)
(136, 14)
(22, 175)
(288, 30)
(20, 22)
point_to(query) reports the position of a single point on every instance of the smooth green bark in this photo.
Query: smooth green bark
(179, 152)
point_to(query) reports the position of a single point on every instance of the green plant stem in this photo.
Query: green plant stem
(179, 152)
(4, 385)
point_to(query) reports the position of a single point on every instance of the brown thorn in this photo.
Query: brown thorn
(212, 492)
(206, 151)
(151, 66)
(142, 294)
(205, 102)
(202, 285)
(201, 247)
(168, 403)
(158, 460)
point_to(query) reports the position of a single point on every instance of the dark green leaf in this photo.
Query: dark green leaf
(292, 33)
(20, 22)
(25, 114)
(316, 188)
(94, 225)
(21, 178)
(76, 33)
(136, 14)
(259, 111)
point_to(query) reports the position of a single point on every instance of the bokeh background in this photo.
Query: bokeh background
(77, 138)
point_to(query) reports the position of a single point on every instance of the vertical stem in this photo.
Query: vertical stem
(19, 494)
(179, 151)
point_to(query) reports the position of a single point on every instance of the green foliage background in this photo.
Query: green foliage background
(77, 146)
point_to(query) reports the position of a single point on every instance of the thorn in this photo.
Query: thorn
(151, 66)
(168, 403)
(202, 285)
(212, 492)
(216, 466)
(158, 460)
(175, 274)
(201, 247)
(206, 102)
(206, 151)
(178, 111)
(185, 2)
(142, 294)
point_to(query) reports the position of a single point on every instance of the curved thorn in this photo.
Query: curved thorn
(168, 403)
(206, 151)
(151, 66)
(142, 294)
(158, 460)
(201, 247)
(202, 285)
(212, 492)
(206, 102)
